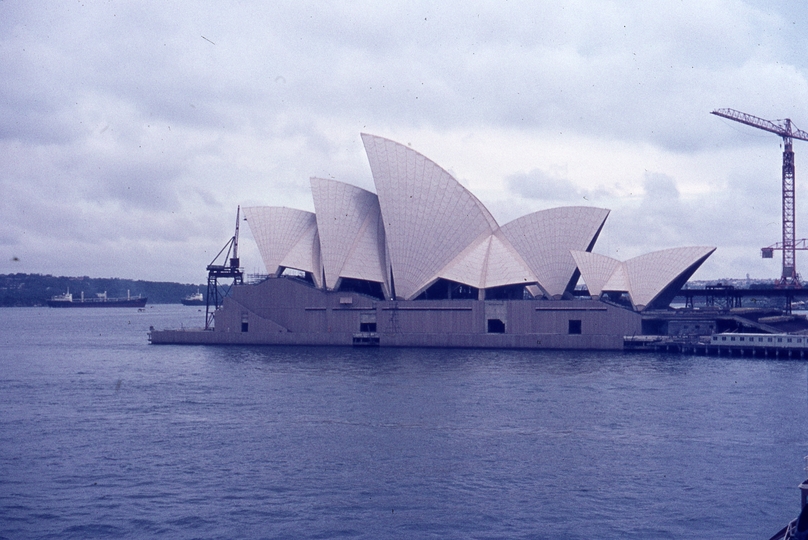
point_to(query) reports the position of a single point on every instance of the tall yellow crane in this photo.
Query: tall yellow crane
(788, 131)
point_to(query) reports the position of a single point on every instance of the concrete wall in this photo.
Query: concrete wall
(285, 311)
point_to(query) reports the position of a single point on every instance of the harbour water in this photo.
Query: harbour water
(105, 436)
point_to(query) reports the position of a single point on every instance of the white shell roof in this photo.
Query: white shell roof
(649, 274)
(490, 261)
(596, 270)
(619, 280)
(544, 240)
(351, 232)
(286, 238)
(425, 226)
(644, 278)
(505, 266)
(429, 218)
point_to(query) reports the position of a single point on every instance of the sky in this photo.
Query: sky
(130, 131)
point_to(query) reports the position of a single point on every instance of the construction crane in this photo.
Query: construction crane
(788, 131)
(230, 269)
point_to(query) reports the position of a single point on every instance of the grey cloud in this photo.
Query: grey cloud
(660, 188)
(122, 112)
(543, 186)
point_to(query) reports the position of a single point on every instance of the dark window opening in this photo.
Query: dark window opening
(245, 327)
(654, 328)
(619, 298)
(575, 326)
(496, 326)
(506, 292)
(299, 275)
(367, 327)
(362, 286)
(443, 289)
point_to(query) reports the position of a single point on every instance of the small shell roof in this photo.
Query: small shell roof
(651, 273)
(351, 232)
(286, 238)
(647, 278)
(595, 270)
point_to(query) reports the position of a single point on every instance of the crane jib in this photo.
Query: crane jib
(784, 128)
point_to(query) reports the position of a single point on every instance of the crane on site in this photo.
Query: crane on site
(789, 246)
(229, 269)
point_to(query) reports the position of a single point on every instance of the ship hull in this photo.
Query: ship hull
(99, 303)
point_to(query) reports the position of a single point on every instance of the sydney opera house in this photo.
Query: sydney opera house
(422, 262)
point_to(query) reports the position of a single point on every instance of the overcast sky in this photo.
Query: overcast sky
(130, 131)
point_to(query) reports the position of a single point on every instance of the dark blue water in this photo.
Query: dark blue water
(105, 436)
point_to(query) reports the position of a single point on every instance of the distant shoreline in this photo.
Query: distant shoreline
(33, 290)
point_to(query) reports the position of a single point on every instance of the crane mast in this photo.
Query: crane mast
(231, 269)
(788, 131)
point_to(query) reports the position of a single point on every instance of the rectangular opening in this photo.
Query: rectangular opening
(366, 341)
(496, 326)
(245, 327)
(367, 327)
(575, 326)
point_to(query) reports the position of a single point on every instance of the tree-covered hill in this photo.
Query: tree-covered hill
(35, 289)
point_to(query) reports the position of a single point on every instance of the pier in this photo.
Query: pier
(751, 345)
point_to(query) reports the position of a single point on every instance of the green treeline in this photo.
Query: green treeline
(17, 290)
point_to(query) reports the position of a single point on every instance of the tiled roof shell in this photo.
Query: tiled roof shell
(423, 225)
(429, 218)
(544, 239)
(286, 238)
(649, 274)
(596, 270)
(351, 232)
(644, 278)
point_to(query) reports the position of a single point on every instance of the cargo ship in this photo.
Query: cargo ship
(195, 299)
(101, 300)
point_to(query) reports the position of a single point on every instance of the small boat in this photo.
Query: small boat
(101, 300)
(194, 299)
(797, 528)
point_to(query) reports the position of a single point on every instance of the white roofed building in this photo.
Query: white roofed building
(423, 236)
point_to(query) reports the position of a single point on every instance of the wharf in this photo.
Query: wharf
(733, 297)
(750, 345)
